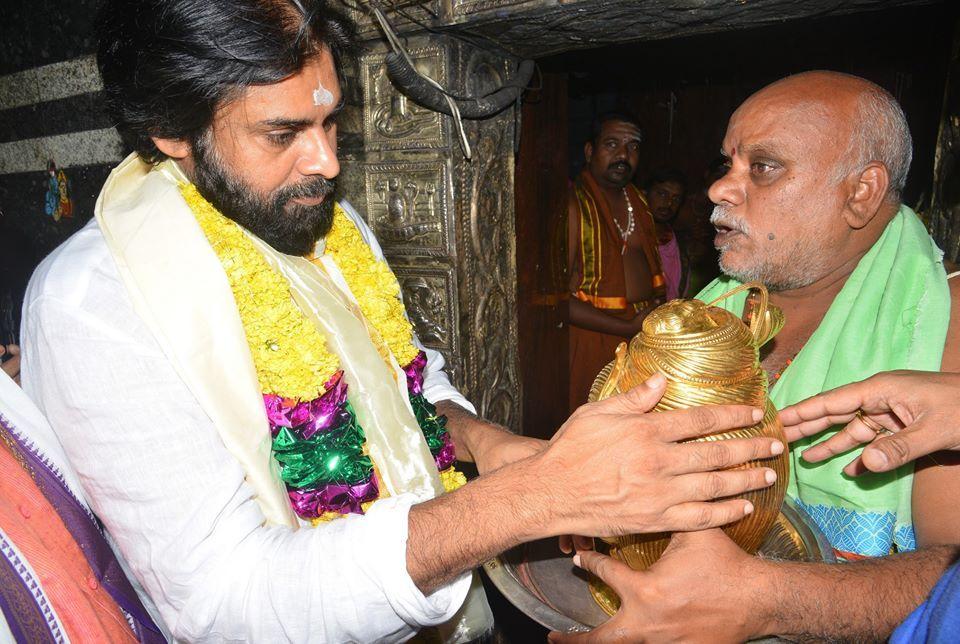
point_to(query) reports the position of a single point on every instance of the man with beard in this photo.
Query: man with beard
(811, 206)
(664, 191)
(223, 354)
(615, 272)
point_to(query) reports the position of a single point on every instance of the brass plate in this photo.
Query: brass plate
(544, 584)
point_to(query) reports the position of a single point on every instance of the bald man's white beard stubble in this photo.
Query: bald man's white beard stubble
(779, 268)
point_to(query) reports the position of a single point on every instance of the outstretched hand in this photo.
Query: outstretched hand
(624, 581)
(615, 469)
(919, 410)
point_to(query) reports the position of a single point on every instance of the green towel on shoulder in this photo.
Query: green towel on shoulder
(892, 313)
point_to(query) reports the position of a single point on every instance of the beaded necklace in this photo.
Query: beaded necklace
(631, 223)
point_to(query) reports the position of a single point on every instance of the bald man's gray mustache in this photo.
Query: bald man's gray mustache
(722, 217)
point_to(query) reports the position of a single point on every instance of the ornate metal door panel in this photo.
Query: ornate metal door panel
(486, 246)
(447, 224)
(408, 207)
(391, 120)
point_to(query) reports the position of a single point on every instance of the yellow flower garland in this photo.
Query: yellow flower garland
(374, 285)
(452, 479)
(290, 356)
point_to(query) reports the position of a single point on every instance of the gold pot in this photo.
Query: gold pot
(709, 357)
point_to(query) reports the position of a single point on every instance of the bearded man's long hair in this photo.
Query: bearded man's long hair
(169, 65)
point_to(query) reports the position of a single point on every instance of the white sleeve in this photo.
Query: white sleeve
(176, 504)
(436, 383)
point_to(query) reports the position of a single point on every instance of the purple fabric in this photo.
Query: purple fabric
(88, 535)
(19, 606)
(672, 268)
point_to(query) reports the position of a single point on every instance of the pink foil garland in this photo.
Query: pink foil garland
(310, 417)
(335, 497)
(446, 456)
(414, 372)
(324, 413)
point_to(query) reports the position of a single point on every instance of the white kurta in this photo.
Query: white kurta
(174, 499)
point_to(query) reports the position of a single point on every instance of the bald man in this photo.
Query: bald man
(811, 207)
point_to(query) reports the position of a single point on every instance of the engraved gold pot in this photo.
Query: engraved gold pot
(709, 356)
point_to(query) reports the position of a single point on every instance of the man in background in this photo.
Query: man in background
(615, 273)
(665, 191)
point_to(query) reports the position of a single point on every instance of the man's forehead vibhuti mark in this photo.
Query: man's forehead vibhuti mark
(632, 135)
(298, 124)
(322, 96)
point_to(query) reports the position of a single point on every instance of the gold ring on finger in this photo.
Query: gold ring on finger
(871, 424)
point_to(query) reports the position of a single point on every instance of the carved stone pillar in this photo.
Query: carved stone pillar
(446, 224)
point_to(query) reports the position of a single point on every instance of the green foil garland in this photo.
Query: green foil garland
(332, 456)
(335, 456)
(432, 425)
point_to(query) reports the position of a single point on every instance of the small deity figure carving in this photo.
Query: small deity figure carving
(396, 203)
(425, 307)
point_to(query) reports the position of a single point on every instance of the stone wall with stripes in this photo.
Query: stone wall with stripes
(50, 109)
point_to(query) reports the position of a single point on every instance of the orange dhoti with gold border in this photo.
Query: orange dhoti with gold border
(598, 264)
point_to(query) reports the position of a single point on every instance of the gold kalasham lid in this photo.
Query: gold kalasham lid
(709, 356)
(695, 345)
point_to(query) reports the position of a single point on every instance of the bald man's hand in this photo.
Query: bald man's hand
(919, 410)
(703, 588)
